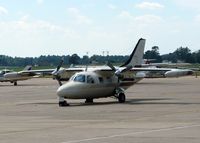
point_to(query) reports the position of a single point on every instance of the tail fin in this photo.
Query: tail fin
(136, 56)
(27, 68)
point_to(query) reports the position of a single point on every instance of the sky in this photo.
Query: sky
(30, 28)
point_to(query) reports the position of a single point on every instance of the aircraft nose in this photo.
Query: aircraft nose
(69, 90)
(11, 75)
(61, 90)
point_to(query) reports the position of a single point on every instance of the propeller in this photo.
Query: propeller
(55, 73)
(111, 66)
(118, 72)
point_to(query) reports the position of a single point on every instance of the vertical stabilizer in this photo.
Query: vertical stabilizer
(27, 68)
(136, 56)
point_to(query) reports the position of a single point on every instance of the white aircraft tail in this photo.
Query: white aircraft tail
(27, 68)
(136, 56)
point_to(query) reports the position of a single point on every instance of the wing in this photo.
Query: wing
(139, 73)
(36, 72)
(65, 73)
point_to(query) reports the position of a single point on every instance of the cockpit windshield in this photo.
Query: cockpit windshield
(4, 71)
(79, 78)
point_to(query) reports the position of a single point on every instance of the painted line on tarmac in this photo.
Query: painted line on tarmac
(35, 87)
(132, 133)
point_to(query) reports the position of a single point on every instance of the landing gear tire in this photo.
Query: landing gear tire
(15, 83)
(89, 100)
(121, 98)
(63, 104)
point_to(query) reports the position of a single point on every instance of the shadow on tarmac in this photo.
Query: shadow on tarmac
(144, 101)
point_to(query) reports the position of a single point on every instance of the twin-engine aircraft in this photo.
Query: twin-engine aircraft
(107, 81)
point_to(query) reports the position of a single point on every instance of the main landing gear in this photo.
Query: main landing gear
(15, 83)
(119, 94)
(121, 98)
(89, 100)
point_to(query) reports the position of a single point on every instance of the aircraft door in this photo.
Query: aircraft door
(90, 79)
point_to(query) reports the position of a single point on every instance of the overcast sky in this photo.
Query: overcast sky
(61, 27)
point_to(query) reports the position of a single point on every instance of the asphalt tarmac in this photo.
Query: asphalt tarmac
(156, 111)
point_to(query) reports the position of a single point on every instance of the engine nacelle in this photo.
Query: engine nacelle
(178, 73)
(140, 75)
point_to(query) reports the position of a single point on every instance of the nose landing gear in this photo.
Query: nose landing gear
(63, 104)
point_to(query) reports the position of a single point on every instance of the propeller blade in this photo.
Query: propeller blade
(59, 82)
(126, 69)
(111, 66)
(55, 73)
(60, 64)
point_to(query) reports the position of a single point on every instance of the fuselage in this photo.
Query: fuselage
(85, 85)
(14, 76)
(77, 90)
(88, 85)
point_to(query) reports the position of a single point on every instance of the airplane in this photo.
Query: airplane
(2, 79)
(13, 77)
(107, 81)
(96, 82)
(99, 83)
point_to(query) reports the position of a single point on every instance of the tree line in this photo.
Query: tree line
(53, 60)
(182, 54)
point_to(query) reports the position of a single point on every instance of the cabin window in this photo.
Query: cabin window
(90, 79)
(100, 79)
(80, 78)
(109, 79)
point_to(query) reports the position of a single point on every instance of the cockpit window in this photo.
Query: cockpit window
(80, 78)
(4, 71)
(90, 79)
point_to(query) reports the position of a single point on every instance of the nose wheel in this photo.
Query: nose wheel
(63, 104)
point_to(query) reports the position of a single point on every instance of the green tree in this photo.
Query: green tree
(153, 54)
(184, 54)
(74, 59)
